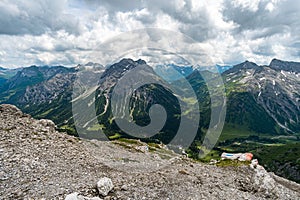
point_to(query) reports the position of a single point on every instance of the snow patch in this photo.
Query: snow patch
(283, 73)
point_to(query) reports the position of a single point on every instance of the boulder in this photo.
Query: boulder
(72, 196)
(263, 181)
(76, 196)
(104, 186)
(46, 125)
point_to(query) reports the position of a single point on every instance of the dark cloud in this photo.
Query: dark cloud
(35, 17)
(196, 23)
(283, 17)
(115, 5)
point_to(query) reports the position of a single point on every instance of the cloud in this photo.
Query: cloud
(277, 15)
(71, 31)
(35, 17)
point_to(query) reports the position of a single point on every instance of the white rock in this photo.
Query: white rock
(47, 123)
(104, 186)
(263, 180)
(72, 196)
(75, 196)
(95, 198)
(254, 163)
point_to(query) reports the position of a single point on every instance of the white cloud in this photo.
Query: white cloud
(36, 17)
(252, 5)
(70, 31)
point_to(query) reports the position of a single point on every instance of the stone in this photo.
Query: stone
(47, 123)
(72, 196)
(76, 196)
(263, 180)
(254, 163)
(104, 186)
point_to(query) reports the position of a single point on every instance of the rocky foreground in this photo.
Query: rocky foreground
(38, 162)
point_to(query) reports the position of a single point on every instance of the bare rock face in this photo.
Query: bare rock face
(263, 181)
(37, 162)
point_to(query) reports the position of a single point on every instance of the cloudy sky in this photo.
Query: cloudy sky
(68, 32)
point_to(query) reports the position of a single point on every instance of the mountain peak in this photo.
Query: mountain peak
(89, 66)
(278, 65)
(246, 65)
(242, 66)
(275, 61)
(131, 61)
(125, 61)
(141, 62)
(122, 66)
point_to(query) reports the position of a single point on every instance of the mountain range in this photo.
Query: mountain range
(263, 99)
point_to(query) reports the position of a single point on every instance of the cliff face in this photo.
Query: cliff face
(38, 162)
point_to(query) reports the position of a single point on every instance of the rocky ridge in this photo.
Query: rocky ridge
(38, 162)
(275, 88)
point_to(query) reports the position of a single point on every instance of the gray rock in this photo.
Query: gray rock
(263, 180)
(76, 196)
(104, 186)
(47, 123)
(72, 196)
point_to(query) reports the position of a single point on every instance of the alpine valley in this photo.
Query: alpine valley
(262, 117)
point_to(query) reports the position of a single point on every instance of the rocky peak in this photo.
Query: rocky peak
(141, 62)
(89, 66)
(247, 65)
(118, 69)
(28, 71)
(279, 65)
(43, 72)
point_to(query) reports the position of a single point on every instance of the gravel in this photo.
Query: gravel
(38, 162)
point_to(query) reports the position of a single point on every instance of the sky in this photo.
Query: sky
(71, 32)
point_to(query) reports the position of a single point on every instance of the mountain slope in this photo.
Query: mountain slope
(263, 99)
(140, 102)
(38, 162)
(275, 88)
(15, 87)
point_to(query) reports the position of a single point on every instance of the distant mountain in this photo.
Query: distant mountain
(14, 89)
(274, 91)
(141, 100)
(223, 68)
(172, 72)
(90, 66)
(279, 65)
(5, 74)
(217, 68)
(263, 99)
